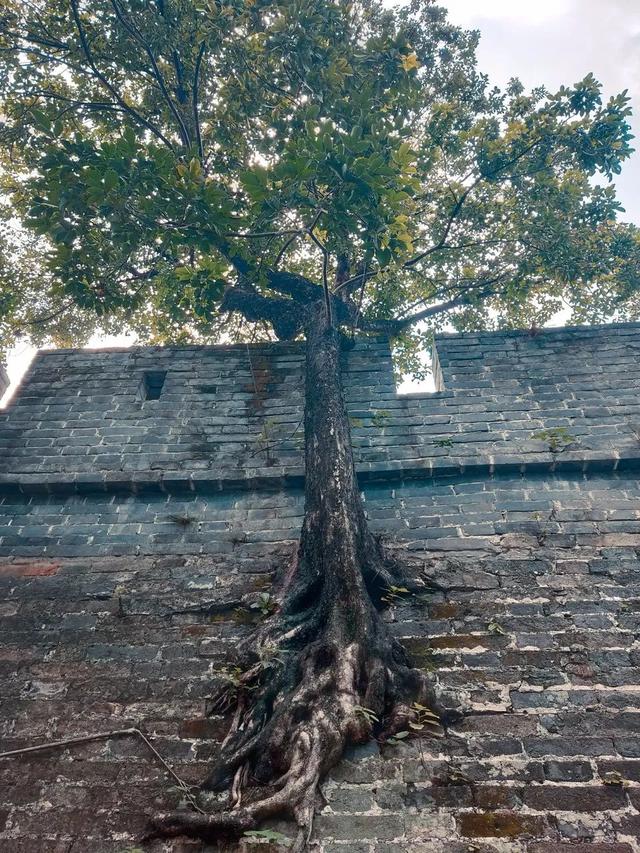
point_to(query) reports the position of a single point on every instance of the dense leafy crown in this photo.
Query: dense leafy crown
(157, 154)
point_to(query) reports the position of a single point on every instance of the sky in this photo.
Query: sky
(556, 42)
(550, 42)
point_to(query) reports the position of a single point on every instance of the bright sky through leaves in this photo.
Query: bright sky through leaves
(550, 42)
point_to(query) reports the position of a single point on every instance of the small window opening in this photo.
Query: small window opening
(152, 384)
(207, 389)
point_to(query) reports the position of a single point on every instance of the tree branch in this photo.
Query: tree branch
(107, 85)
(463, 299)
(75, 104)
(355, 281)
(41, 321)
(134, 31)
(259, 234)
(283, 251)
(441, 244)
(452, 218)
(395, 327)
(284, 315)
(56, 45)
(432, 311)
(194, 101)
(42, 56)
(325, 277)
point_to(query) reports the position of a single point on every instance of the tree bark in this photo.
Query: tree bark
(323, 672)
(334, 537)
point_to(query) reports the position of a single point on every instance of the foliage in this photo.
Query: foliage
(230, 676)
(614, 778)
(397, 738)
(421, 718)
(32, 304)
(380, 418)
(558, 438)
(265, 603)
(424, 718)
(443, 442)
(153, 153)
(370, 716)
(394, 594)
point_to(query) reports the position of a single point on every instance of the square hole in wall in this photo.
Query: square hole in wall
(152, 384)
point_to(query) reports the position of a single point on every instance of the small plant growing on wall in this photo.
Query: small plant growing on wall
(380, 418)
(118, 594)
(367, 714)
(557, 438)
(182, 519)
(394, 594)
(443, 442)
(422, 721)
(265, 604)
(269, 836)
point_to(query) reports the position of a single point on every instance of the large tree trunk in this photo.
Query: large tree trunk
(323, 671)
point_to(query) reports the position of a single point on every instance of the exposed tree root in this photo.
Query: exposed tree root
(316, 677)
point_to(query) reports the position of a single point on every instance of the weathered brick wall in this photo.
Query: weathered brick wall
(113, 581)
(234, 413)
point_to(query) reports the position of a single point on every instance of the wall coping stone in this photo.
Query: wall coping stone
(275, 479)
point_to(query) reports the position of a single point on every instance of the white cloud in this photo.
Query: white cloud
(476, 11)
(558, 42)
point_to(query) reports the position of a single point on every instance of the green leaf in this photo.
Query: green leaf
(267, 835)
(255, 184)
(111, 179)
(41, 120)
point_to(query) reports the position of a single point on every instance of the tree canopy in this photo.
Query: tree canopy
(163, 162)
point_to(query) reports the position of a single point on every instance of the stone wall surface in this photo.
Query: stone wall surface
(234, 413)
(128, 567)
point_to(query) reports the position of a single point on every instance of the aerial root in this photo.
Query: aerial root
(277, 772)
(315, 678)
(292, 795)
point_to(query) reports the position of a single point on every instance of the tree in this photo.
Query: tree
(317, 170)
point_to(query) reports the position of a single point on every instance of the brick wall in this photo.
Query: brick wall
(78, 422)
(120, 584)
